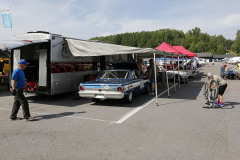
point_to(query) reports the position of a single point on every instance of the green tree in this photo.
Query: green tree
(236, 44)
(221, 49)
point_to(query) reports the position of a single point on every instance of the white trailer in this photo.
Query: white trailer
(52, 66)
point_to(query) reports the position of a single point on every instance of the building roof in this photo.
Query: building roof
(223, 56)
(204, 55)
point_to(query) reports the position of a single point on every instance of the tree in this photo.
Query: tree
(193, 40)
(236, 44)
(221, 49)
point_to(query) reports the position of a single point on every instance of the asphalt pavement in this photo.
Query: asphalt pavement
(179, 127)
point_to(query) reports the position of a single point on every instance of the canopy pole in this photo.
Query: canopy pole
(174, 75)
(178, 74)
(184, 69)
(166, 75)
(155, 72)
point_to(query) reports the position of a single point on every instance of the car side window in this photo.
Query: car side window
(133, 76)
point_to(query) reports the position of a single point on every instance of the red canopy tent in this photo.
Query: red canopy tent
(167, 48)
(182, 50)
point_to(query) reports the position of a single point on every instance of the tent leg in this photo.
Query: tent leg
(174, 75)
(178, 74)
(184, 70)
(155, 72)
(166, 75)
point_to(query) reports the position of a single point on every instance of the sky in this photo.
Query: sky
(85, 19)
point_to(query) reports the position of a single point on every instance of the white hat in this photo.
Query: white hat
(209, 75)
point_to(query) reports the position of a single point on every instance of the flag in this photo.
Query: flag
(6, 18)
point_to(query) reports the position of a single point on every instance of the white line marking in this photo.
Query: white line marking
(131, 113)
(76, 117)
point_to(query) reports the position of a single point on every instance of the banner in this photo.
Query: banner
(6, 18)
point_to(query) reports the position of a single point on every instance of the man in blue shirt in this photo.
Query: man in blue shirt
(18, 83)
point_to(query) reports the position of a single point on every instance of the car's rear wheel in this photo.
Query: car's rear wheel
(95, 100)
(129, 97)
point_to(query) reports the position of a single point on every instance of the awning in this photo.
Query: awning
(81, 48)
(12, 44)
(182, 50)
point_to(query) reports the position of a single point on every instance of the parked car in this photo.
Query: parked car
(183, 74)
(115, 84)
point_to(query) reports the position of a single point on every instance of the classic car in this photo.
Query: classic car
(115, 84)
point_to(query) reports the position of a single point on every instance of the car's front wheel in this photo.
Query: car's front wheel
(129, 97)
(148, 89)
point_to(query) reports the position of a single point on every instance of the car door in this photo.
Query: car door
(138, 82)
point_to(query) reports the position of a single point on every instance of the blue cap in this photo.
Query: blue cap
(23, 61)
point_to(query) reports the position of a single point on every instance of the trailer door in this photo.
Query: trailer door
(43, 68)
(16, 58)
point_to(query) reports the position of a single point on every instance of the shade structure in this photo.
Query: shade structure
(167, 48)
(82, 48)
(184, 51)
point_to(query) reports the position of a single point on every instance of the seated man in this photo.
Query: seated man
(222, 87)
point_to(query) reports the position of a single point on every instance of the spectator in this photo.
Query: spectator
(18, 83)
(151, 70)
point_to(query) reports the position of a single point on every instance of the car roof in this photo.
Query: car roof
(119, 70)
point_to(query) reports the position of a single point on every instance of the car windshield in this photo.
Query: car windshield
(113, 75)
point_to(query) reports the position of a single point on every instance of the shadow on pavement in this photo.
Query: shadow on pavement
(227, 105)
(65, 99)
(59, 115)
(230, 105)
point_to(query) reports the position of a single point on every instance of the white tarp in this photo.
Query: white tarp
(81, 48)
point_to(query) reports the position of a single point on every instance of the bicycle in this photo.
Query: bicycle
(210, 93)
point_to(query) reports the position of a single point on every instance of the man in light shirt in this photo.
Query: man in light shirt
(222, 87)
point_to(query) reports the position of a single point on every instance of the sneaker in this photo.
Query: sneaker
(150, 93)
(14, 119)
(216, 104)
(220, 105)
(29, 119)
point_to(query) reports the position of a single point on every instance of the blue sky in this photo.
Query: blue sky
(85, 19)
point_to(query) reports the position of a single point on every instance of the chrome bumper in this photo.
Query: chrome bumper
(101, 95)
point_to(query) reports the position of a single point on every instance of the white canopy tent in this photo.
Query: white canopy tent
(81, 48)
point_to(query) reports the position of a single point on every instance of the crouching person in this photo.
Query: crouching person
(222, 87)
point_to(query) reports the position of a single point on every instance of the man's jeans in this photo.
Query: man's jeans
(222, 71)
(20, 100)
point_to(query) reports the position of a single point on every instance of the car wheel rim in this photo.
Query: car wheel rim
(130, 97)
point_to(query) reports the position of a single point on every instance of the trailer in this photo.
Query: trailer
(53, 69)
